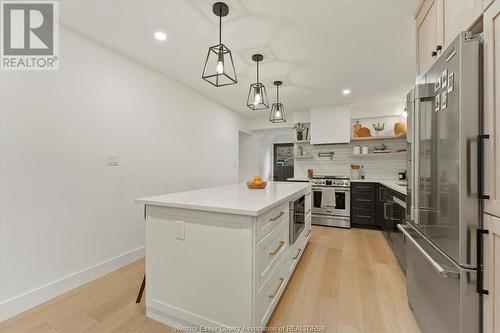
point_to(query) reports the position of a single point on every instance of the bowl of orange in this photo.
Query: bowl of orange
(257, 183)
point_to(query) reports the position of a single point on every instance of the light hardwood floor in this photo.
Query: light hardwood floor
(347, 281)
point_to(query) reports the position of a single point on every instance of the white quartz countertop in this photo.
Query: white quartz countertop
(390, 184)
(230, 199)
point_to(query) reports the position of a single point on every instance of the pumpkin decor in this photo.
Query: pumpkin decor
(364, 132)
(400, 128)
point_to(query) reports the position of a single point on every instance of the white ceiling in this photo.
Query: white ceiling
(316, 47)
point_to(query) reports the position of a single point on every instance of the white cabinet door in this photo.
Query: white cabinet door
(331, 124)
(459, 16)
(427, 35)
(491, 22)
(492, 275)
(486, 4)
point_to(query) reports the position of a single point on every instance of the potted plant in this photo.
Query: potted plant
(300, 128)
(378, 127)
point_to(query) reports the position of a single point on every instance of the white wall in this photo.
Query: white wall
(249, 153)
(66, 216)
(256, 151)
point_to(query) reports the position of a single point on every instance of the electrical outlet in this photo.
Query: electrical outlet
(180, 230)
(113, 160)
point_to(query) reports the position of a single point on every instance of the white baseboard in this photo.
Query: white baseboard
(32, 298)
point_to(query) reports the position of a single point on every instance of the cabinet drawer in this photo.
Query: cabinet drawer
(268, 221)
(270, 293)
(364, 202)
(364, 187)
(270, 250)
(364, 216)
(298, 248)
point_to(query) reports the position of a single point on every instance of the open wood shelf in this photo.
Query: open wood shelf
(302, 157)
(381, 137)
(302, 141)
(380, 154)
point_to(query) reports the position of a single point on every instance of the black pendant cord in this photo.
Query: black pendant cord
(257, 72)
(277, 94)
(220, 26)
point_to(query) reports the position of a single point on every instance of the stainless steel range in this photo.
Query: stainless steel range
(331, 201)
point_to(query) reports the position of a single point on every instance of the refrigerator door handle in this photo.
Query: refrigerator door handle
(480, 166)
(435, 265)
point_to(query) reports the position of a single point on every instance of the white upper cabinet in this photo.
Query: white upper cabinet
(427, 34)
(459, 15)
(491, 24)
(331, 124)
(437, 23)
(487, 3)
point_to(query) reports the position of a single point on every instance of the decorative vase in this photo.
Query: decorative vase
(299, 136)
(356, 127)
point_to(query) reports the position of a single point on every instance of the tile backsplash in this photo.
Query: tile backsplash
(375, 167)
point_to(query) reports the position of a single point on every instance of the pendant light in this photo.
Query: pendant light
(277, 109)
(219, 66)
(257, 96)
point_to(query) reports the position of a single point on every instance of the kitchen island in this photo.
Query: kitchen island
(221, 257)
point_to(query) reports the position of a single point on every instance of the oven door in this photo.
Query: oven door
(342, 205)
(322, 202)
(331, 201)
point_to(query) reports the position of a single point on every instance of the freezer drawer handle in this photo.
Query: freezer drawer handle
(480, 261)
(437, 267)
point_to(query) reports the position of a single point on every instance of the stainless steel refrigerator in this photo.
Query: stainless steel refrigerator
(443, 202)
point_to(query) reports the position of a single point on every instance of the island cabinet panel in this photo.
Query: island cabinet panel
(182, 275)
(270, 250)
(364, 203)
(217, 266)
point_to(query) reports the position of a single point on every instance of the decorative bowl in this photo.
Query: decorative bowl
(254, 186)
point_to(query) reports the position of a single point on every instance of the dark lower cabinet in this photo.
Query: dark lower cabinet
(364, 204)
(394, 213)
(363, 216)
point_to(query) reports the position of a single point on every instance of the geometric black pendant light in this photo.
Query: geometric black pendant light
(219, 66)
(277, 114)
(257, 96)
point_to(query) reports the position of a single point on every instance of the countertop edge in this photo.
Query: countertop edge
(387, 183)
(221, 210)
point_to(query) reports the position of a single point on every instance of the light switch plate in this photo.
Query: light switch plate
(113, 160)
(180, 231)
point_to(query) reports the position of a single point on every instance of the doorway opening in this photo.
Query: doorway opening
(283, 161)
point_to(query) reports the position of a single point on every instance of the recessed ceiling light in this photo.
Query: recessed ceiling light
(161, 36)
(346, 91)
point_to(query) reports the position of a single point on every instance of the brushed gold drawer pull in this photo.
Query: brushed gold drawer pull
(277, 249)
(277, 217)
(308, 232)
(277, 289)
(297, 255)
